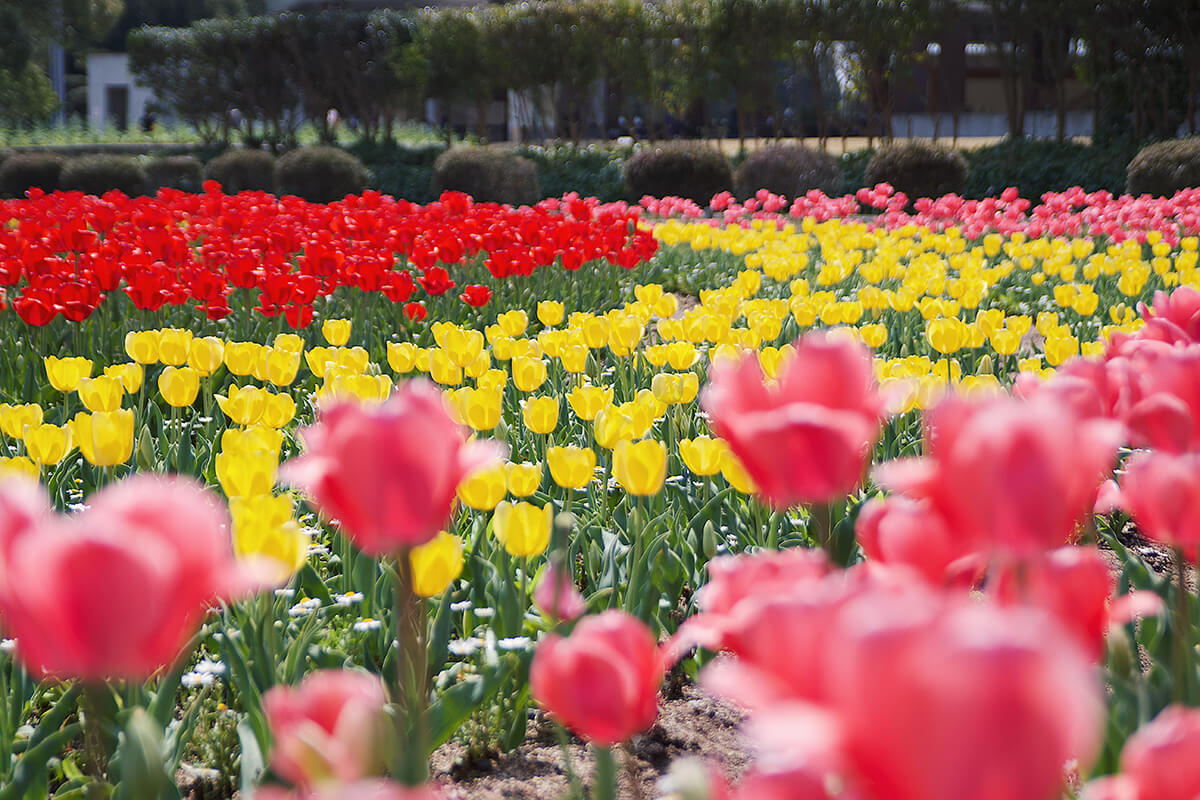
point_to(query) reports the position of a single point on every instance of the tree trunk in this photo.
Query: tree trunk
(813, 62)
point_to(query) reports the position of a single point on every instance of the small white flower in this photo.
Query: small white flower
(194, 680)
(348, 599)
(513, 643)
(461, 605)
(7, 646)
(285, 592)
(368, 624)
(484, 612)
(304, 607)
(462, 648)
(316, 549)
(77, 507)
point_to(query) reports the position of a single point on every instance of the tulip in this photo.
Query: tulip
(65, 374)
(808, 439)
(367, 789)
(130, 375)
(117, 590)
(387, 473)
(523, 528)
(206, 354)
(318, 360)
(18, 467)
(615, 424)
(587, 401)
(179, 386)
(336, 331)
(15, 419)
(280, 366)
(278, 410)
(571, 467)
(1159, 759)
(640, 467)
(329, 729)
(483, 488)
(702, 455)
(513, 323)
(288, 342)
(174, 346)
(251, 440)
(105, 438)
(540, 414)
(462, 346)
(493, 380)
(354, 359)
(1162, 493)
(443, 369)
(241, 357)
(523, 479)
(246, 474)
(402, 356)
(602, 681)
(263, 527)
(897, 530)
(556, 596)
(243, 405)
(142, 346)
(528, 373)
(436, 564)
(574, 358)
(478, 408)
(734, 471)
(47, 444)
(101, 394)
(682, 355)
(550, 313)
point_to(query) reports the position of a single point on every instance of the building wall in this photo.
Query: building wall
(106, 70)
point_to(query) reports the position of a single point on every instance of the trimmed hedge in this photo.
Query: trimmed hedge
(1164, 168)
(321, 174)
(592, 170)
(23, 171)
(1038, 166)
(789, 170)
(919, 169)
(243, 171)
(184, 173)
(99, 174)
(487, 174)
(693, 170)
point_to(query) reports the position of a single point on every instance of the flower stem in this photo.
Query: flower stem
(1183, 631)
(604, 785)
(412, 767)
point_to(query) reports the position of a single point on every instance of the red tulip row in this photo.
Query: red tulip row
(1070, 213)
(64, 253)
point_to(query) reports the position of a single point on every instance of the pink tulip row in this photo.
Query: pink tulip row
(1070, 213)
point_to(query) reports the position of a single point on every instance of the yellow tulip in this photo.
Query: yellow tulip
(263, 527)
(612, 425)
(462, 346)
(443, 369)
(666, 306)
(130, 375)
(874, 336)
(550, 312)
(484, 488)
(513, 323)
(655, 408)
(243, 405)
(735, 473)
(523, 479)
(179, 386)
(523, 528)
(571, 467)
(142, 346)
(246, 473)
(281, 366)
(624, 333)
(15, 419)
(587, 401)
(104, 437)
(402, 356)
(354, 359)
(667, 388)
(528, 373)
(242, 357)
(278, 410)
(1060, 348)
(251, 440)
(640, 467)
(945, 334)
(18, 467)
(1005, 341)
(574, 358)
(289, 342)
(682, 355)
(478, 408)
(47, 444)
(101, 394)
(174, 346)
(436, 564)
(648, 293)
(493, 380)
(595, 332)
(336, 331)
(480, 366)
(65, 374)
(206, 355)
(540, 414)
(703, 455)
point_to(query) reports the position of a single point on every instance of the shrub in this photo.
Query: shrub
(243, 171)
(1037, 166)
(1164, 168)
(23, 171)
(400, 170)
(174, 172)
(487, 174)
(788, 170)
(593, 170)
(919, 169)
(97, 174)
(854, 169)
(321, 174)
(681, 169)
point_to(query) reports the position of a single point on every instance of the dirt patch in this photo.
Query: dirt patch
(690, 724)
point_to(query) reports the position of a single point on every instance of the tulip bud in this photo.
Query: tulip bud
(710, 540)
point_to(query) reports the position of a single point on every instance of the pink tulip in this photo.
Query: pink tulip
(370, 789)
(556, 595)
(1162, 758)
(1162, 492)
(1173, 318)
(1009, 476)
(1164, 396)
(602, 681)
(388, 473)
(808, 439)
(330, 728)
(116, 590)
(899, 531)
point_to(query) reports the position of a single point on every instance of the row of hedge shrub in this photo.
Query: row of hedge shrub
(683, 168)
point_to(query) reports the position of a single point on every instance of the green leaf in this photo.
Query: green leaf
(457, 704)
(253, 763)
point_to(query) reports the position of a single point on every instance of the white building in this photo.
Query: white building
(114, 100)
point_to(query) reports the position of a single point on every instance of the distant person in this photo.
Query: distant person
(147, 121)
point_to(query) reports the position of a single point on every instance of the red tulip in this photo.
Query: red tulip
(1009, 476)
(476, 295)
(1162, 758)
(332, 727)
(117, 590)
(1162, 492)
(556, 595)
(809, 439)
(388, 473)
(415, 311)
(602, 681)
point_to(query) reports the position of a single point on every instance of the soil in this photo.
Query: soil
(690, 723)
